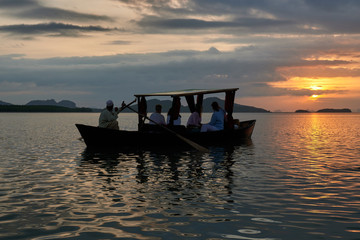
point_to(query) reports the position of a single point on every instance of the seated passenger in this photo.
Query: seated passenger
(194, 120)
(157, 117)
(217, 119)
(175, 121)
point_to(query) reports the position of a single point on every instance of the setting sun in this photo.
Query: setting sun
(316, 88)
(314, 96)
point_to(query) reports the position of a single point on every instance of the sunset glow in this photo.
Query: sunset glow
(314, 96)
(316, 88)
(112, 49)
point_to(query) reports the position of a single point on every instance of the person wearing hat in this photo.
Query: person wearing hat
(109, 115)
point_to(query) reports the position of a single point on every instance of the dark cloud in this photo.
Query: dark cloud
(60, 14)
(332, 5)
(120, 42)
(271, 16)
(168, 24)
(89, 79)
(32, 9)
(68, 25)
(51, 29)
(115, 75)
(18, 3)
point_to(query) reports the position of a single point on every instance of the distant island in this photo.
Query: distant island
(23, 108)
(69, 106)
(327, 110)
(43, 106)
(344, 110)
(52, 102)
(302, 111)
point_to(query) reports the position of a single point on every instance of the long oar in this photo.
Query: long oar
(126, 106)
(188, 141)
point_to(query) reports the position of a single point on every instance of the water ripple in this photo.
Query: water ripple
(297, 179)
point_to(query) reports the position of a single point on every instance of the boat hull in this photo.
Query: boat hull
(95, 137)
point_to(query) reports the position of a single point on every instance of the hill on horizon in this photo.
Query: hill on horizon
(151, 103)
(43, 106)
(5, 103)
(52, 102)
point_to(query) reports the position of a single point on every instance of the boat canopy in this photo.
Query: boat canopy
(187, 92)
(189, 96)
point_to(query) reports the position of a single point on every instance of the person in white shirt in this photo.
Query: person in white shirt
(157, 117)
(217, 119)
(108, 116)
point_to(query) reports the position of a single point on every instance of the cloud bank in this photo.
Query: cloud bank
(268, 48)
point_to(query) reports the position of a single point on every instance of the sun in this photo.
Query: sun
(314, 97)
(314, 87)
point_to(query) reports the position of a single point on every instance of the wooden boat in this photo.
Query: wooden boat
(158, 136)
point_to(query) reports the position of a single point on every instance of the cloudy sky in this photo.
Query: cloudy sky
(281, 54)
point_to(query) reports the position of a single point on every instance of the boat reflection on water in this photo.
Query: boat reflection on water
(161, 193)
(163, 174)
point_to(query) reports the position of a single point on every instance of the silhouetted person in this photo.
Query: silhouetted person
(217, 119)
(109, 115)
(157, 116)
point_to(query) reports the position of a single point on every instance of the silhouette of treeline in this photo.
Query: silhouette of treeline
(41, 108)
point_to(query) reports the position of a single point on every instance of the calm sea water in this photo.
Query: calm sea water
(299, 178)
